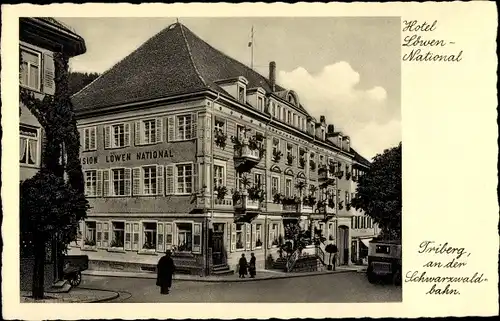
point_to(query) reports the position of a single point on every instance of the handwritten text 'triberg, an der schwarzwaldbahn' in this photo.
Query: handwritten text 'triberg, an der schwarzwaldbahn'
(417, 38)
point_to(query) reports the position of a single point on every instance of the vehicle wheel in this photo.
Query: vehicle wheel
(396, 279)
(76, 279)
(370, 275)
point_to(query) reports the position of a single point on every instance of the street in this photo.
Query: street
(334, 288)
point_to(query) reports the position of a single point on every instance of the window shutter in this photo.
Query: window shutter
(105, 234)
(233, 237)
(126, 130)
(137, 133)
(195, 179)
(248, 232)
(107, 136)
(197, 238)
(98, 187)
(254, 236)
(128, 236)
(194, 125)
(135, 241)
(136, 183)
(160, 188)
(49, 85)
(164, 134)
(105, 182)
(171, 128)
(93, 138)
(80, 132)
(170, 180)
(99, 234)
(127, 181)
(159, 237)
(159, 130)
(169, 236)
(269, 238)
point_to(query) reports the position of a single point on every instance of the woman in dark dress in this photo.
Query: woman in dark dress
(243, 266)
(252, 264)
(165, 270)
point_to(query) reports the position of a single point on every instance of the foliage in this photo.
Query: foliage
(348, 173)
(312, 165)
(312, 189)
(309, 200)
(116, 243)
(331, 203)
(300, 185)
(278, 198)
(290, 200)
(221, 191)
(88, 242)
(149, 246)
(322, 169)
(341, 205)
(379, 192)
(49, 205)
(236, 196)
(277, 154)
(78, 80)
(302, 162)
(289, 159)
(236, 142)
(220, 138)
(256, 193)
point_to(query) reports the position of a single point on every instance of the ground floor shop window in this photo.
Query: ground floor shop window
(118, 235)
(90, 234)
(239, 237)
(258, 235)
(274, 235)
(184, 237)
(149, 242)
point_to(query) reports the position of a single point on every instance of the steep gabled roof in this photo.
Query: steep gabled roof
(174, 61)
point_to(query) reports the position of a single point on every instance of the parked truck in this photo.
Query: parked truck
(384, 261)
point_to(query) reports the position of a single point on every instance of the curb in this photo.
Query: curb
(207, 280)
(108, 298)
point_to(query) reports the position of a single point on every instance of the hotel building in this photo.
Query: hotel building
(187, 149)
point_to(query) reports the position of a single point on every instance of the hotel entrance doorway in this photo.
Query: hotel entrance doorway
(217, 242)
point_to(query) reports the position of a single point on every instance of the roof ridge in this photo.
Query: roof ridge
(191, 56)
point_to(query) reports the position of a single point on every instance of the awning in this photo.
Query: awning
(366, 242)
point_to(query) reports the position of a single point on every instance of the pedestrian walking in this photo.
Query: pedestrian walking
(165, 270)
(335, 250)
(252, 265)
(243, 266)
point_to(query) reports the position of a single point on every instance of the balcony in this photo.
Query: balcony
(296, 209)
(246, 153)
(325, 175)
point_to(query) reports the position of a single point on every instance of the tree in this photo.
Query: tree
(78, 80)
(53, 201)
(379, 192)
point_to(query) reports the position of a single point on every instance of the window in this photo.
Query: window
(257, 179)
(258, 235)
(118, 135)
(219, 178)
(280, 113)
(184, 127)
(30, 69)
(321, 160)
(295, 120)
(276, 145)
(346, 197)
(220, 125)
(149, 241)
(90, 183)
(240, 244)
(118, 181)
(274, 110)
(149, 180)
(289, 153)
(274, 235)
(240, 131)
(90, 234)
(184, 237)
(184, 178)
(275, 185)
(289, 117)
(28, 149)
(118, 234)
(239, 181)
(149, 131)
(260, 103)
(89, 138)
(241, 94)
(288, 187)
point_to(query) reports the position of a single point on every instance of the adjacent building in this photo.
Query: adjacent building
(187, 149)
(39, 39)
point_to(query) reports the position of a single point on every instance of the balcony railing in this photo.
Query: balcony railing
(248, 154)
(245, 203)
(325, 209)
(299, 208)
(326, 175)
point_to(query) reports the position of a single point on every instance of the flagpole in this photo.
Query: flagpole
(252, 50)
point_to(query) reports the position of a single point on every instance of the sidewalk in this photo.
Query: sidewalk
(261, 275)
(75, 295)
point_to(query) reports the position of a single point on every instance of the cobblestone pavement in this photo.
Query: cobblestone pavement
(333, 288)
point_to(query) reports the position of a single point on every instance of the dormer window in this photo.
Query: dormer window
(340, 141)
(241, 94)
(260, 104)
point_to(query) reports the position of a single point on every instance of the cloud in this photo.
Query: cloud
(363, 114)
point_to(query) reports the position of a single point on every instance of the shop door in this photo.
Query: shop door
(218, 256)
(343, 245)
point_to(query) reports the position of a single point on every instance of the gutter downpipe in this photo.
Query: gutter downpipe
(212, 187)
(267, 213)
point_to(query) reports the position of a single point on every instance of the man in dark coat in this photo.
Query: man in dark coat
(243, 266)
(165, 270)
(252, 265)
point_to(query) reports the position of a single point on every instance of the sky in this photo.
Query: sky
(345, 68)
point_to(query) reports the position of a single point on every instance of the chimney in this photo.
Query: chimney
(322, 119)
(272, 75)
(331, 129)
